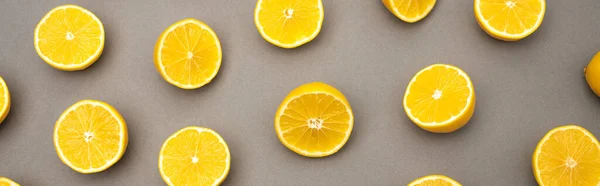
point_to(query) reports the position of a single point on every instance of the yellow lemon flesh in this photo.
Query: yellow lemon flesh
(314, 120)
(90, 136)
(7, 182)
(289, 23)
(4, 100)
(510, 20)
(69, 38)
(188, 54)
(592, 74)
(410, 11)
(440, 98)
(194, 156)
(434, 180)
(567, 155)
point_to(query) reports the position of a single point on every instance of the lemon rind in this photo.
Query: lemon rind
(291, 45)
(122, 136)
(200, 130)
(70, 67)
(159, 47)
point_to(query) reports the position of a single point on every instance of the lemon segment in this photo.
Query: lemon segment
(567, 155)
(434, 180)
(314, 120)
(69, 38)
(410, 11)
(188, 54)
(90, 136)
(4, 100)
(510, 20)
(440, 98)
(194, 156)
(289, 23)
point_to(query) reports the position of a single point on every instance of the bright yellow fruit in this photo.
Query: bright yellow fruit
(510, 20)
(69, 38)
(592, 74)
(289, 23)
(410, 11)
(314, 120)
(90, 136)
(567, 155)
(434, 180)
(7, 182)
(440, 98)
(194, 156)
(4, 100)
(188, 54)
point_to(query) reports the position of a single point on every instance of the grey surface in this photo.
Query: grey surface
(523, 90)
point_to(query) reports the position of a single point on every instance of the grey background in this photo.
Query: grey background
(523, 90)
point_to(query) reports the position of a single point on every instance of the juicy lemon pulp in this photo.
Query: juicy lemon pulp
(4, 100)
(567, 155)
(188, 54)
(194, 156)
(434, 180)
(410, 11)
(314, 120)
(440, 98)
(69, 38)
(510, 20)
(289, 23)
(90, 136)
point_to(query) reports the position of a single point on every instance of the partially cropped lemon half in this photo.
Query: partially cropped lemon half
(567, 155)
(4, 100)
(289, 23)
(69, 38)
(510, 20)
(7, 182)
(410, 11)
(434, 180)
(314, 120)
(440, 98)
(592, 74)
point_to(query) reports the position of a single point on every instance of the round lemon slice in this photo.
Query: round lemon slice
(410, 11)
(314, 120)
(90, 136)
(440, 98)
(510, 20)
(194, 156)
(434, 180)
(69, 38)
(4, 100)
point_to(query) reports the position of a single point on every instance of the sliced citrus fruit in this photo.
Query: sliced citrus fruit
(410, 11)
(188, 54)
(314, 120)
(289, 23)
(90, 136)
(510, 20)
(567, 155)
(194, 156)
(592, 74)
(4, 100)
(69, 38)
(7, 182)
(440, 98)
(434, 180)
